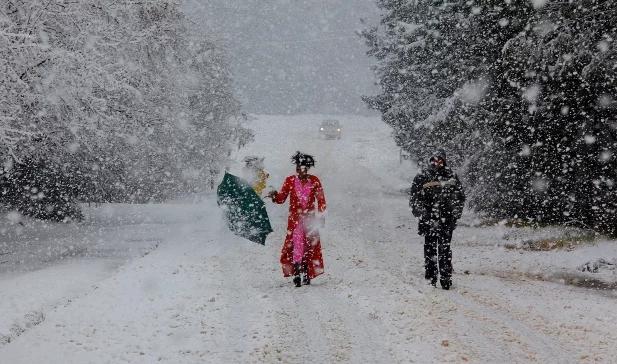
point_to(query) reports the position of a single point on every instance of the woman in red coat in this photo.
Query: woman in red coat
(301, 251)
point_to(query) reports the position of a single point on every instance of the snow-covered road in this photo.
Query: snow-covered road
(202, 295)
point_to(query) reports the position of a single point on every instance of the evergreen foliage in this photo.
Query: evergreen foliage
(522, 93)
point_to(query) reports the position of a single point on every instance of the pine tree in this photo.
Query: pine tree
(523, 96)
(553, 154)
(435, 63)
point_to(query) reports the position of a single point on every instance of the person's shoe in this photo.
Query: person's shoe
(445, 283)
(305, 277)
(297, 280)
(432, 281)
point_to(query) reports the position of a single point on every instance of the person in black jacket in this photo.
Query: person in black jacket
(437, 199)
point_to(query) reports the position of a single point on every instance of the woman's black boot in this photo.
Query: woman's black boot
(305, 276)
(297, 280)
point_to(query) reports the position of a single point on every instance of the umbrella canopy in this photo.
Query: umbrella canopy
(245, 211)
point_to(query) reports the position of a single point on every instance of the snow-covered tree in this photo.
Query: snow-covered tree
(434, 66)
(551, 113)
(114, 97)
(522, 92)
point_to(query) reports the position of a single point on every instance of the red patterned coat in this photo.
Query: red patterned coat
(313, 217)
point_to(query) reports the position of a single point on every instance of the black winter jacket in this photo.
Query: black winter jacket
(437, 199)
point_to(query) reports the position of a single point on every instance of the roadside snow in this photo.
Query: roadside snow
(599, 265)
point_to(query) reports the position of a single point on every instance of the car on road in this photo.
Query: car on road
(330, 129)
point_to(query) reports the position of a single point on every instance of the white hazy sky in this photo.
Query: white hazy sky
(294, 56)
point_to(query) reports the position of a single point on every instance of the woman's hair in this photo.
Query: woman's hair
(301, 159)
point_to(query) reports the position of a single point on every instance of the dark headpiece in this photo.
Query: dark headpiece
(301, 159)
(439, 153)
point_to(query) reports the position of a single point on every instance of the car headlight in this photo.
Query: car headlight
(321, 129)
(338, 129)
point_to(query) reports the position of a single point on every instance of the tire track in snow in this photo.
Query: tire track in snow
(564, 339)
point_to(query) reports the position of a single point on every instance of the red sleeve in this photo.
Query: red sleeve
(321, 197)
(281, 196)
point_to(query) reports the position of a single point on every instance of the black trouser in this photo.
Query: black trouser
(437, 250)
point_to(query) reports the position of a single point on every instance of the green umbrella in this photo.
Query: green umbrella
(244, 210)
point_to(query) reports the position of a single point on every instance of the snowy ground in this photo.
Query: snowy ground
(167, 283)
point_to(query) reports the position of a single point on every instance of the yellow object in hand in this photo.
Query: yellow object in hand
(260, 184)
